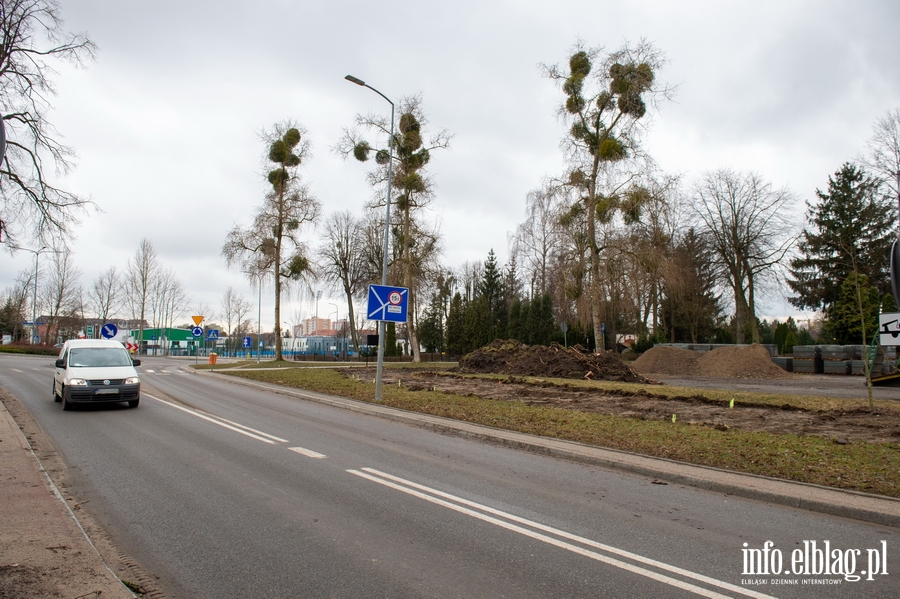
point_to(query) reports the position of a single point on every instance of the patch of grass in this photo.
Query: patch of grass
(868, 467)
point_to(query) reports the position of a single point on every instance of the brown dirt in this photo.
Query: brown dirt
(513, 357)
(751, 362)
(841, 425)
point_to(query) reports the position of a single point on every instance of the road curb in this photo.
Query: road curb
(866, 507)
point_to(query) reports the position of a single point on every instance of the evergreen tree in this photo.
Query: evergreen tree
(391, 347)
(490, 291)
(851, 228)
(456, 342)
(853, 319)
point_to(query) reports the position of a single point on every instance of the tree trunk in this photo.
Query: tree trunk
(408, 283)
(751, 312)
(354, 335)
(738, 312)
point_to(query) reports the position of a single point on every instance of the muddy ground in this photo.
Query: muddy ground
(853, 426)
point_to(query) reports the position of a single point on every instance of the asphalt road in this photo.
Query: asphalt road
(226, 491)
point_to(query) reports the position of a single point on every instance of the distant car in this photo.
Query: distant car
(95, 371)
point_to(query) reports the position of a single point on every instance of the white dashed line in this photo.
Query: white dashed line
(307, 452)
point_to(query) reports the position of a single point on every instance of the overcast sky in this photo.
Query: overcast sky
(166, 121)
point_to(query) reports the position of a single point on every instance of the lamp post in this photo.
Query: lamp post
(333, 323)
(34, 303)
(387, 233)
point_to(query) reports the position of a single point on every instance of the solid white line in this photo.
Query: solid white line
(15, 370)
(213, 420)
(252, 430)
(307, 452)
(572, 537)
(552, 541)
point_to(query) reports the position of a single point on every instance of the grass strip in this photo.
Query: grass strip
(868, 467)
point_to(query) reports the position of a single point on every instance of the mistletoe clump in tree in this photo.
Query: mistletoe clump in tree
(606, 98)
(272, 246)
(416, 244)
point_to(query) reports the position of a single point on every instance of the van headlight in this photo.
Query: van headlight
(78, 382)
(132, 380)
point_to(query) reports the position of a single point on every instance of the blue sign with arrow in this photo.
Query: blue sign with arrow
(197, 332)
(387, 303)
(109, 331)
(247, 341)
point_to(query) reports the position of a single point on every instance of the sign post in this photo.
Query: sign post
(385, 304)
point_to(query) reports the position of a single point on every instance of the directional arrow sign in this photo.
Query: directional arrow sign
(247, 341)
(197, 332)
(109, 331)
(387, 303)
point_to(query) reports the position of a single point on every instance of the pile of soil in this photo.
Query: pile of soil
(750, 362)
(513, 357)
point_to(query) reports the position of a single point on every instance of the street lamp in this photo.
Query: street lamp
(387, 232)
(34, 303)
(259, 314)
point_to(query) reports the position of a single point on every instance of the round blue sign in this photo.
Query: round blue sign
(109, 330)
(197, 332)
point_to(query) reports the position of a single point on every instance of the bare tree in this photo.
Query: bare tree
(168, 300)
(140, 274)
(745, 220)
(538, 239)
(105, 295)
(342, 260)
(61, 291)
(15, 304)
(31, 36)
(884, 152)
(235, 308)
(272, 246)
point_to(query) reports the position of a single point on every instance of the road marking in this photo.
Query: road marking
(307, 452)
(416, 490)
(225, 423)
(150, 370)
(15, 370)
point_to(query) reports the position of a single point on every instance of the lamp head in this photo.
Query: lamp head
(353, 79)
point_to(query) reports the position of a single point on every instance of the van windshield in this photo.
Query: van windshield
(99, 356)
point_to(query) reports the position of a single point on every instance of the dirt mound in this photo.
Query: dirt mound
(748, 362)
(513, 357)
(662, 359)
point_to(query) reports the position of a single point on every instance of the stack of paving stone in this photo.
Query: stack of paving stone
(807, 359)
(835, 359)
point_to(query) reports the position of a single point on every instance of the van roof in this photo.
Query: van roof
(92, 343)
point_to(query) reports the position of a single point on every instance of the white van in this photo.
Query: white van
(95, 371)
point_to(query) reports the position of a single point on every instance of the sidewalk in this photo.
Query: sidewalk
(43, 550)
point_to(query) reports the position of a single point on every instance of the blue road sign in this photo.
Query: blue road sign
(109, 331)
(387, 303)
(197, 332)
(212, 334)
(247, 342)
